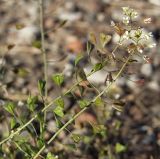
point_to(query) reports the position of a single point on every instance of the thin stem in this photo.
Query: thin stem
(41, 7)
(33, 118)
(59, 131)
(18, 130)
(82, 110)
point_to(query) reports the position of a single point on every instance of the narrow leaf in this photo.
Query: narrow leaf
(41, 86)
(78, 59)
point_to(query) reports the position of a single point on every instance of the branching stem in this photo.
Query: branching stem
(82, 110)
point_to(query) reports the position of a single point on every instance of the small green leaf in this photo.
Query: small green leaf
(14, 124)
(58, 122)
(120, 148)
(97, 67)
(31, 101)
(98, 129)
(58, 79)
(41, 86)
(99, 102)
(37, 44)
(104, 39)
(78, 59)
(51, 156)
(90, 47)
(9, 107)
(59, 102)
(82, 74)
(83, 103)
(76, 138)
(40, 142)
(59, 111)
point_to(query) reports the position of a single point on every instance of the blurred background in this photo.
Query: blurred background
(131, 134)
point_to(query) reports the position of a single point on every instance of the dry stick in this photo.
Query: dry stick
(80, 112)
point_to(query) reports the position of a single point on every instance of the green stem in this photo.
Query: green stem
(82, 110)
(41, 7)
(33, 118)
(18, 130)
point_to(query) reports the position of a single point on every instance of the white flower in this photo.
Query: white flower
(113, 23)
(139, 50)
(147, 20)
(134, 14)
(152, 45)
(126, 20)
(125, 10)
(126, 35)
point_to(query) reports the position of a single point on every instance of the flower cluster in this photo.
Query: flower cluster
(129, 15)
(135, 38)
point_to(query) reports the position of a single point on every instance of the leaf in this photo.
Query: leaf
(58, 79)
(82, 74)
(59, 111)
(90, 47)
(31, 102)
(51, 156)
(58, 122)
(40, 142)
(104, 39)
(41, 86)
(59, 102)
(19, 26)
(97, 67)
(118, 106)
(78, 59)
(76, 138)
(83, 103)
(98, 129)
(92, 38)
(120, 148)
(37, 44)
(99, 102)
(9, 107)
(14, 124)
